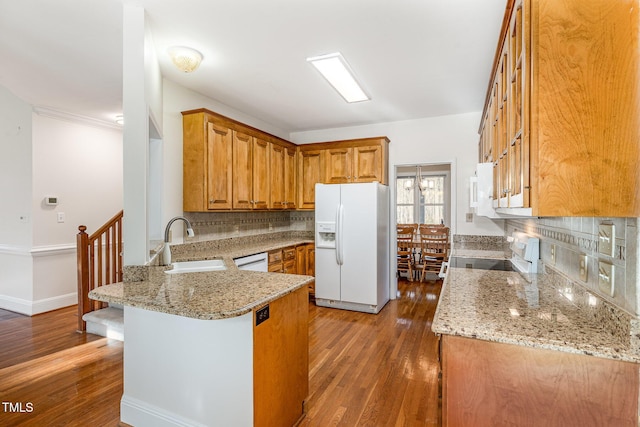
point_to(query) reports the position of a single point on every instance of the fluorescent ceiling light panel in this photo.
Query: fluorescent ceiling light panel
(335, 69)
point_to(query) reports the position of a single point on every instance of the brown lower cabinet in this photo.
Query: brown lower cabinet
(494, 384)
(298, 259)
(275, 261)
(281, 361)
(305, 260)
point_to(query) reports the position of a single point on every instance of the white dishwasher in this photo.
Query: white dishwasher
(256, 262)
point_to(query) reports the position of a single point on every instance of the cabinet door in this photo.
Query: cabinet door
(219, 176)
(367, 164)
(311, 259)
(281, 362)
(290, 177)
(261, 176)
(242, 171)
(311, 267)
(301, 259)
(309, 174)
(338, 163)
(290, 267)
(277, 198)
(515, 93)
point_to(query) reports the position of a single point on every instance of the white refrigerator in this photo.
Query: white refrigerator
(352, 246)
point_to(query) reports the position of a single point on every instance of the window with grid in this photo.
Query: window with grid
(426, 206)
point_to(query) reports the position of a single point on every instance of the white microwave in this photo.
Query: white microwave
(481, 191)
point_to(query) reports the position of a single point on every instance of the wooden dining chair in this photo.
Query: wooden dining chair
(405, 249)
(434, 249)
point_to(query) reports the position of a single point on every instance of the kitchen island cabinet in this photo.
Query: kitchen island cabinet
(531, 350)
(490, 384)
(216, 348)
(561, 121)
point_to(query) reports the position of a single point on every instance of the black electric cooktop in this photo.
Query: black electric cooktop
(481, 263)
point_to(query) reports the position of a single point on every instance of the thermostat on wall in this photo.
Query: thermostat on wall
(51, 200)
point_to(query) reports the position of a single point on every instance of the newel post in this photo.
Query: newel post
(82, 244)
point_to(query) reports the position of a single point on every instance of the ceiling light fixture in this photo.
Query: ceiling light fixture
(337, 72)
(185, 58)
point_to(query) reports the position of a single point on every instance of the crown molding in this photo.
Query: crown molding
(74, 118)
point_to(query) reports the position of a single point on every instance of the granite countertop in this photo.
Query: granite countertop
(534, 310)
(205, 295)
(212, 250)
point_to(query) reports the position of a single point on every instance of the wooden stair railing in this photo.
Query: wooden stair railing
(99, 263)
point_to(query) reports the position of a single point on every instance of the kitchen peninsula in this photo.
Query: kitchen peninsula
(213, 348)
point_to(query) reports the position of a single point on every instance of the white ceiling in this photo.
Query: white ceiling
(416, 58)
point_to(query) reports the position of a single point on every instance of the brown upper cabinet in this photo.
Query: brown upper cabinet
(338, 162)
(355, 164)
(561, 122)
(229, 165)
(290, 180)
(251, 179)
(310, 172)
(207, 160)
(283, 177)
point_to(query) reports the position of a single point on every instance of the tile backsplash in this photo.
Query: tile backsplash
(223, 225)
(573, 237)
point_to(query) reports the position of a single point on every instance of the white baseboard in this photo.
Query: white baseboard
(141, 414)
(30, 308)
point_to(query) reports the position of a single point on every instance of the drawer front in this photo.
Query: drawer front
(275, 256)
(289, 254)
(276, 268)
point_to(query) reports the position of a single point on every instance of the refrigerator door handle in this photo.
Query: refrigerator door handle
(339, 242)
(338, 235)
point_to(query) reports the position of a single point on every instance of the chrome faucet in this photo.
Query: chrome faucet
(166, 252)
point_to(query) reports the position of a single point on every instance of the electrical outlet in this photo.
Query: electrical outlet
(553, 255)
(583, 267)
(236, 229)
(61, 217)
(606, 239)
(606, 273)
(270, 227)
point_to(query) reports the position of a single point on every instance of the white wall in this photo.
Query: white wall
(82, 166)
(40, 156)
(141, 101)
(15, 192)
(15, 172)
(447, 139)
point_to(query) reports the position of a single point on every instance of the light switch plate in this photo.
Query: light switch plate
(606, 273)
(553, 254)
(583, 267)
(606, 239)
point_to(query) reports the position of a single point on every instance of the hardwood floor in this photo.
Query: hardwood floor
(375, 370)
